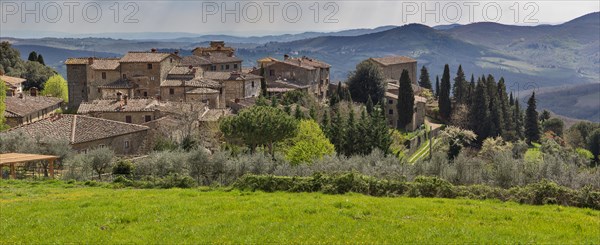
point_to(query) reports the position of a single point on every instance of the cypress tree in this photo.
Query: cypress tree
(496, 120)
(380, 134)
(518, 117)
(424, 80)
(369, 105)
(336, 132)
(40, 59)
(263, 82)
(460, 86)
(504, 107)
(32, 56)
(471, 90)
(325, 124)
(532, 128)
(298, 114)
(406, 101)
(351, 134)
(365, 144)
(511, 100)
(437, 86)
(444, 102)
(479, 114)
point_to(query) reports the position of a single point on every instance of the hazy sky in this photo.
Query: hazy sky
(271, 17)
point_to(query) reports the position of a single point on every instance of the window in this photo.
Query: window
(391, 112)
(271, 72)
(220, 90)
(101, 146)
(124, 76)
(126, 144)
(152, 78)
(235, 66)
(222, 67)
(226, 67)
(213, 67)
(171, 91)
(99, 90)
(390, 102)
(147, 118)
(103, 75)
(149, 66)
(128, 119)
(145, 94)
(253, 84)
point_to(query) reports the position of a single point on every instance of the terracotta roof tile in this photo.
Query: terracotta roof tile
(105, 64)
(203, 91)
(12, 81)
(144, 57)
(106, 105)
(77, 61)
(77, 128)
(28, 104)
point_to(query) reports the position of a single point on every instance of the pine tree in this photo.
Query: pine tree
(532, 128)
(470, 90)
(444, 102)
(366, 80)
(511, 99)
(325, 125)
(460, 86)
(479, 114)
(406, 101)
(424, 80)
(33, 56)
(40, 59)
(437, 86)
(380, 134)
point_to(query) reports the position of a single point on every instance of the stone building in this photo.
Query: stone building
(391, 109)
(24, 109)
(236, 85)
(136, 111)
(302, 71)
(392, 67)
(216, 57)
(14, 85)
(85, 133)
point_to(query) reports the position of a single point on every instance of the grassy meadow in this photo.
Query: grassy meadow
(58, 212)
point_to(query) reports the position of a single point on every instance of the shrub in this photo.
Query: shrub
(123, 167)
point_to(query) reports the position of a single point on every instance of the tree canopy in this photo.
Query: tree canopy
(56, 86)
(406, 101)
(309, 144)
(2, 104)
(367, 80)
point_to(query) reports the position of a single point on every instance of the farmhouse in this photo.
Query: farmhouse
(84, 133)
(14, 85)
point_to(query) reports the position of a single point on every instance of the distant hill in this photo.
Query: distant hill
(55, 57)
(581, 101)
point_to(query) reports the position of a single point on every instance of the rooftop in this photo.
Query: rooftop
(225, 75)
(144, 57)
(106, 105)
(76, 128)
(203, 91)
(393, 60)
(13, 81)
(20, 107)
(105, 64)
(121, 83)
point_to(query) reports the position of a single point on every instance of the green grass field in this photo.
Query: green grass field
(56, 212)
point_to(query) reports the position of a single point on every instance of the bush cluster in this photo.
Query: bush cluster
(540, 193)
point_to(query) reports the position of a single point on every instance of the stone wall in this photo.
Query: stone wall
(127, 144)
(77, 77)
(93, 91)
(391, 113)
(395, 71)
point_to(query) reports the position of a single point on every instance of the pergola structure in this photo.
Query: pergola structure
(12, 159)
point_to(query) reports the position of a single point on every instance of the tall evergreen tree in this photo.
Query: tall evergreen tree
(496, 119)
(511, 100)
(33, 56)
(263, 82)
(504, 107)
(406, 101)
(40, 59)
(532, 128)
(365, 143)
(444, 102)
(460, 86)
(424, 80)
(518, 117)
(380, 134)
(471, 90)
(370, 105)
(479, 114)
(351, 136)
(437, 86)
(336, 132)
(298, 114)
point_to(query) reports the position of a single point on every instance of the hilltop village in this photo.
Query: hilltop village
(131, 103)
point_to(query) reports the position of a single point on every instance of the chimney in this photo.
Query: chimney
(119, 96)
(90, 60)
(176, 52)
(33, 92)
(286, 56)
(153, 50)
